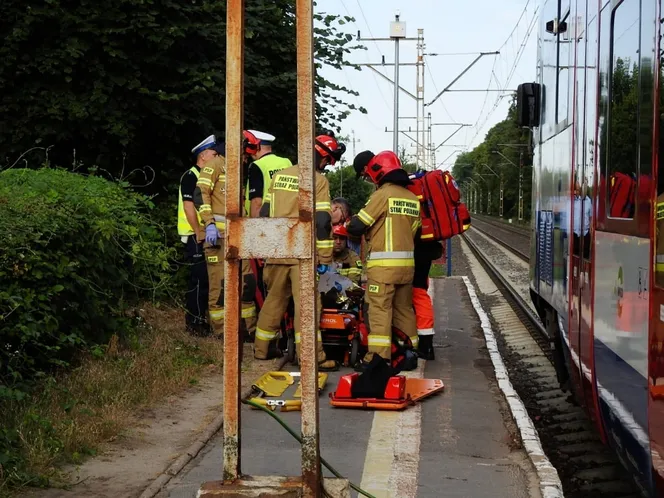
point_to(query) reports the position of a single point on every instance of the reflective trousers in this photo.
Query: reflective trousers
(282, 282)
(214, 255)
(423, 311)
(388, 305)
(196, 299)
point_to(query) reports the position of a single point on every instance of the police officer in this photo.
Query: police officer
(282, 276)
(209, 198)
(349, 263)
(258, 146)
(390, 220)
(191, 233)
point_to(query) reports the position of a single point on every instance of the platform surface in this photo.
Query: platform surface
(460, 443)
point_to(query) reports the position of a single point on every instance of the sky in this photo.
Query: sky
(464, 27)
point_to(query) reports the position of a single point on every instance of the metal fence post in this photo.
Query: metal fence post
(265, 238)
(232, 344)
(308, 327)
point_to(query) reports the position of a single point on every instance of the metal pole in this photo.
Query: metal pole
(308, 326)
(520, 186)
(232, 290)
(449, 257)
(501, 197)
(488, 201)
(395, 141)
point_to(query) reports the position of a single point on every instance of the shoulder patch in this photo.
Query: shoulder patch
(208, 170)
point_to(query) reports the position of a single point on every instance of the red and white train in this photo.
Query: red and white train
(597, 256)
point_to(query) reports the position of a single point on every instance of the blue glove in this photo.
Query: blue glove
(211, 234)
(337, 286)
(321, 269)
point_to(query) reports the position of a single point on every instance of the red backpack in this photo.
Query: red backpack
(622, 192)
(443, 213)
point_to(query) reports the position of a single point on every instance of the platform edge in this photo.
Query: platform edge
(549, 480)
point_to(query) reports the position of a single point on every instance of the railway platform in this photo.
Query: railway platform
(462, 442)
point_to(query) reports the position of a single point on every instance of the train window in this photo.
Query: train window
(548, 58)
(622, 153)
(564, 62)
(659, 211)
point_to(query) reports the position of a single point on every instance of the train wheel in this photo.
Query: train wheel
(554, 332)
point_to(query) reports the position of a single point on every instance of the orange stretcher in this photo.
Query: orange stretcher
(400, 393)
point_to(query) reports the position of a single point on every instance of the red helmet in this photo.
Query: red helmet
(381, 164)
(328, 146)
(340, 231)
(250, 143)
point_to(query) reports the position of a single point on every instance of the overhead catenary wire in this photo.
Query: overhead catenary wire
(510, 71)
(380, 89)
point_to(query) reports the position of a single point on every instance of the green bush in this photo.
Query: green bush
(75, 252)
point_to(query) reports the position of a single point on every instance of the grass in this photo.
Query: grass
(68, 416)
(438, 271)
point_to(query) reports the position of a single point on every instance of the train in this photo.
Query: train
(595, 112)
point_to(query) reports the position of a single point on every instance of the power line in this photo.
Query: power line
(512, 70)
(433, 80)
(380, 90)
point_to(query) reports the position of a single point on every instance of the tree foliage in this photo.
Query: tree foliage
(138, 82)
(486, 168)
(344, 184)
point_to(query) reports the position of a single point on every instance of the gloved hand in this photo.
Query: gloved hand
(211, 234)
(338, 287)
(321, 269)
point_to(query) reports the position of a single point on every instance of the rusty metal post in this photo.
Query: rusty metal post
(308, 326)
(232, 263)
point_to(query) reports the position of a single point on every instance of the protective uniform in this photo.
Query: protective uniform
(425, 254)
(209, 199)
(390, 220)
(196, 300)
(282, 276)
(349, 263)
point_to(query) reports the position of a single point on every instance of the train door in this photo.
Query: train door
(621, 252)
(656, 333)
(585, 26)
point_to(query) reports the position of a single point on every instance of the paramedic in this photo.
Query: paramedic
(282, 276)
(209, 198)
(425, 254)
(390, 220)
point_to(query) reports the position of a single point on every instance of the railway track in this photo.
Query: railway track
(586, 467)
(514, 239)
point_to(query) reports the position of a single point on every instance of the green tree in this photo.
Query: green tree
(344, 184)
(134, 83)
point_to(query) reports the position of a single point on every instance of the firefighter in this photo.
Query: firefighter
(209, 197)
(282, 275)
(258, 147)
(390, 220)
(192, 234)
(349, 263)
(425, 254)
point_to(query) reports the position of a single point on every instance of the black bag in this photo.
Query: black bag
(372, 382)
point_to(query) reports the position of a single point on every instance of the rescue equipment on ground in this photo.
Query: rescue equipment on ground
(443, 213)
(400, 392)
(274, 384)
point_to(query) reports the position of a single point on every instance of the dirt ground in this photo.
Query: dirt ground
(126, 466)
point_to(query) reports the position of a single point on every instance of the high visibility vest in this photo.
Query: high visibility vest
(269, 165)
(184, 228)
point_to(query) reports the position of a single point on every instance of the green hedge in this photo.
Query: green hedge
(75, 252)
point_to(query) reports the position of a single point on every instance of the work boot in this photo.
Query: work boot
(425, 348)
(362, 365)
(328, 366)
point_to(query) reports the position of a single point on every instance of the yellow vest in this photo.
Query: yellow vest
(268, 165)
(184, 228)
